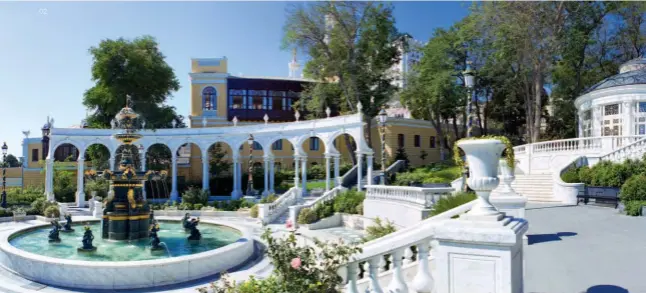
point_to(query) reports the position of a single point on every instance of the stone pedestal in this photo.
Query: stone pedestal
(480, 256)
(97, 213)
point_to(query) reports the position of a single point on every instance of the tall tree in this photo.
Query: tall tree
(526, 33)
(134, 68)
(11, 162)
(352, 47)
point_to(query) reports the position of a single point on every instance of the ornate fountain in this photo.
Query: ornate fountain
(126, 215)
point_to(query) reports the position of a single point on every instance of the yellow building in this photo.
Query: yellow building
(221, 99)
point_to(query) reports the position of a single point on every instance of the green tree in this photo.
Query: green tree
(134, 68)
(11, 162)
(351, 46)
(217, 163)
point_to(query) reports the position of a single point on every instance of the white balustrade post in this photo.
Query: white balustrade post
(49, 174)
(352, 273)
(174, 195)
(265, 168)
(272, 181)
(627, 119)
(304, 175)
(423, 281)
(327, 172)
(80, 192)
(337, 166)
(359, 170)
(142, 158)
(205, 171)
(369, 172)
(398, 282)
(373, 270)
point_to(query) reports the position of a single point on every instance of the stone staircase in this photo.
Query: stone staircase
(535, 187)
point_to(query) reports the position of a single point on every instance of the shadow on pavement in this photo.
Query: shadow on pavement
(606, 289)
(539, 238)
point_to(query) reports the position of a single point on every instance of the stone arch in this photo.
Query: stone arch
(98, 154)
(341, 147)
(136, 151)
(220, 154)
(158, 157)
(280, 145)
(315, 148)
(66, 151)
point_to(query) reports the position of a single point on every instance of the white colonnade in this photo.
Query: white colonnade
(327, 130)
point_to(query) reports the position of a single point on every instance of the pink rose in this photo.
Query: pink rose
(288, 224)
(296, 263)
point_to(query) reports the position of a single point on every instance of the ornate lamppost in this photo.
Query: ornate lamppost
(382, 117)
(5, 148)
(250, 181)
(469, 81)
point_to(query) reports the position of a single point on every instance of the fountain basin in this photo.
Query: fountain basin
(84, 274)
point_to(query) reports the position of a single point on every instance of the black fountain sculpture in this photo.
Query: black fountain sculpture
(87, 241)
(186, 221)
(195, 233)
(154, 239)
(67, 228)
(53, 234)
(126, 215)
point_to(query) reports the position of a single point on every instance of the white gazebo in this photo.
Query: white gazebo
(616, 106)
(327, 130)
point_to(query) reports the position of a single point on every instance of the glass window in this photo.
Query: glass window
(642, 107)
(400, 140)
(237, 99)
(257, 99)
(278, 145)
(417, 141)
(208, 98)
(432, 142)
(314, 144)
(34, 155)
(257, 146)
(611, 109)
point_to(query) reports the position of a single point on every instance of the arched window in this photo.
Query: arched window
(209, 95)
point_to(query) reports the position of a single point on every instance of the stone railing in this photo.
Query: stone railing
(600, 143)
(634, 150)
(419, 196)
(328, 195)
(270, 211)
(398, 262)
(567, 192)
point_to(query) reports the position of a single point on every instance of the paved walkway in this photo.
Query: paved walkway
(591, 249)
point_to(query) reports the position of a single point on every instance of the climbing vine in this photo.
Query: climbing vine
(508, 152)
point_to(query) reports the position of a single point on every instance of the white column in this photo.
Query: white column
(597, 119)
(627, 119)
(359, 170)
(304, 175)
(337, 165)
(271, 177)
(265, 168)
(580, 124)
(205, 171)
(296, 171)
(49, 180)
(369, 173)
(236, 177)
(112, 161)
(80, 192)
(327, 172)
(174, 195)
(142, 157)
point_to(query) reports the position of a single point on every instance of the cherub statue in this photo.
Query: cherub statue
(195, 233)
(185, 221)
(68, 224)
(53, 234)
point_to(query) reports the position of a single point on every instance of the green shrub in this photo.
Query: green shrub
(360, 209)
(18, 196)
(316, 172)
(269, 199)
(253, 212)
(571, 176)
(634, 208)
(324, 209)
(98, 185)
(611, 174)
(40, 205)
(185, 206)
(446, 203)
(52, 211)
(307, 216)
(198, 206)
(195, 195)
(433, 173)
(379, 229)
(634, 189)
(232, 205)
(64, 186)
(347, 202)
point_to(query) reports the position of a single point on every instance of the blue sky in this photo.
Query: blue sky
(45, 64)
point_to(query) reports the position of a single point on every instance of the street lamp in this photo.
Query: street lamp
(383, 116)
(3, 204)
(250, 181)
(469, 82)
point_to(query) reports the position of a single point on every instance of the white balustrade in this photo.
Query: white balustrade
(407, 249)
(420, 196)
(631, 151)
(270, 211)
(294, 210)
